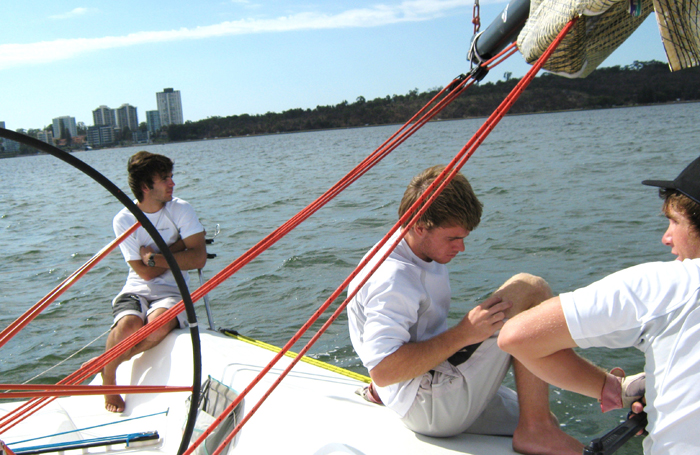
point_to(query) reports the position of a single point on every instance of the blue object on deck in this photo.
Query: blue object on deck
(86, 443)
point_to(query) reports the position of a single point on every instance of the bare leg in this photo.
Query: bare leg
(157, 336)
(540, 339)
(125, 327)
(538, 430)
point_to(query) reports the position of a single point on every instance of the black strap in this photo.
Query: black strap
(463, 354)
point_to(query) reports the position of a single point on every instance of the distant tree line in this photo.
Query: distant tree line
(639, 83)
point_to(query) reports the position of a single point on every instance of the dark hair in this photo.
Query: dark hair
(457, 205)
(142, 167)
(683, 205)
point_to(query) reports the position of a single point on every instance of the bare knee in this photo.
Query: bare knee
(127, 325)
(538, 289)
(161, 332)
(524, 291)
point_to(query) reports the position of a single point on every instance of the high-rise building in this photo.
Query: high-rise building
(153, 121)
(63, 124)
(169, 107)
(45, 136)
(127, 117)
(100, 135)
(103, 115)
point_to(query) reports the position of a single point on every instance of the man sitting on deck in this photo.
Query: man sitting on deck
(440, 381)
(654, 307)
(150, 287)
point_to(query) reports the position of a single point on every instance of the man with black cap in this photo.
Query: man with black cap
(654, 307)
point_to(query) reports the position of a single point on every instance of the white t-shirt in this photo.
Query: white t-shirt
(405, 300)
(175, 220)
(654, 307)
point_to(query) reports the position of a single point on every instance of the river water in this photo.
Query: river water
(562, 199)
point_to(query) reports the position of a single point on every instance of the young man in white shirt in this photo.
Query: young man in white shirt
(150, 288)
(654, 307)
(444, 381)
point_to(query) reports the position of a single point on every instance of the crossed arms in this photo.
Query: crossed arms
(190, 253)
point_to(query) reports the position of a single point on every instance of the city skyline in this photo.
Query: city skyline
(242, 56)
(125, 115)
(108, 124)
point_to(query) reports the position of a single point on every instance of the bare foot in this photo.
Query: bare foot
(113, 403)
(545, 439)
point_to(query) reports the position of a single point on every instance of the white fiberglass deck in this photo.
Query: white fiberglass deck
(313, 411)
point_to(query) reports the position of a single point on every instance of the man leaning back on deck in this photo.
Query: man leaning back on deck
(150, 287)
(444, 381)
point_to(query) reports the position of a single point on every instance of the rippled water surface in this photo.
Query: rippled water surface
(562, 199)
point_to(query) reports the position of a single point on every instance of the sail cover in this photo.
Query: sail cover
(604, 25)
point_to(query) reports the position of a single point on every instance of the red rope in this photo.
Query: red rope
(5, 450)
(400, 136)
(440, 182)
(457, 87)
(44, 390)
(28, 316)
(387, 147)
(378, 155)
(41, 305)
(501, 56)
(99, 362)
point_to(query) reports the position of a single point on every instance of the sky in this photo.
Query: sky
(233, 57)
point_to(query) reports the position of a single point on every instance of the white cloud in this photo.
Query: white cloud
(75, 12)
(13, 55)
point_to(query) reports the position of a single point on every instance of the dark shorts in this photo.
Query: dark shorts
(132, 304)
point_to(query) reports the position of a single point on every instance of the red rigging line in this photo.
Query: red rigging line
(41, 305)
(44, 390)
(5, 450)
(381, 152)
(22, 412)
(96, 364)
(424, 115)
(440, 182)
(501, 56)
(280, 232)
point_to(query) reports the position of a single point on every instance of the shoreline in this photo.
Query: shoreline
(4, 155)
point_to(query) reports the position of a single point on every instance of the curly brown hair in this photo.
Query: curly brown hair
(457, 205)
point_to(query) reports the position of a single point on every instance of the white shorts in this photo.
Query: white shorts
(132, 304)
(466, 398)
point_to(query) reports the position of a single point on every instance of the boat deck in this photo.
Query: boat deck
(313, 411)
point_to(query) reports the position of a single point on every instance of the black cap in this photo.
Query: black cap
(687, 182)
